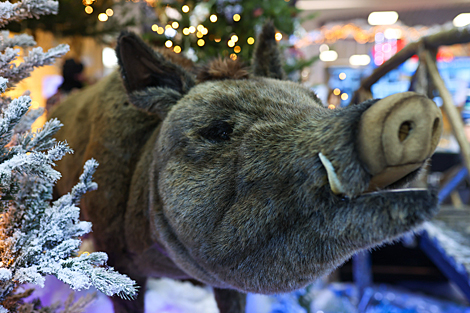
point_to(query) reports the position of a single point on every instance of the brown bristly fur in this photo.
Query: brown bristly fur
(221, 69)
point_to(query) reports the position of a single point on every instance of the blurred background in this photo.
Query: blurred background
(344, 50)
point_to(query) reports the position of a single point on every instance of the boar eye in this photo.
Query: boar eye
(217, 131)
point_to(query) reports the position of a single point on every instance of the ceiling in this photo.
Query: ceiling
(411, 12)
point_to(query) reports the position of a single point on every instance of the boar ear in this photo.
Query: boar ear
(267, 57)
(153, 83)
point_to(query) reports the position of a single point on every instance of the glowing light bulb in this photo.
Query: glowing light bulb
(237, 49)
(155, 27)
(168, 43)
(236, 18)
(192, 29)
(250, 40)
(109, 12)
(336, 92)
(88, 10)
(383, 18)
(186, 31)
(185, 8)
(278, 36)
(177, 49)
(233, 56)
(328, 56)
(359, 59)
(393, 33)
(230, 43)
(201, 42)
(344, 96)
(234, 38)
(213, 18)
(461, 20)
(102, 17)
(175, 25)
(108, 57)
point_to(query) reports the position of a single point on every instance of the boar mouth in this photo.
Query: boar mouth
(377, 184)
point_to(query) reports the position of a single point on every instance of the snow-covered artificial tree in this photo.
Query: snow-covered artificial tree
(39, 237)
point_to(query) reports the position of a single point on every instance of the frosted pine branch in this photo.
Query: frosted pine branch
(3, 84)
(27, 120)
(8, 56)
(22, 40)
(41, 140)
(87, 270)
(35, 163)
(5, 274)
(47, 248)
(21, 10)
(112, 283)
(39, 58)
(10, 117)
(36, 58)
(85, 184)
(38, 238)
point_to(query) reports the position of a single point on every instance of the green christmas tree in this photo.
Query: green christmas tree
(200, 29)
(215, 28)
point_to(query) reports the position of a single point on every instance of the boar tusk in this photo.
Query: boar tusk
(335, 184)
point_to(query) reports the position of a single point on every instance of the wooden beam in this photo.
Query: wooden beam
(445, 38)
(448, 104)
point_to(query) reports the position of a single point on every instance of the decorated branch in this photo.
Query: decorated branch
(38, 236)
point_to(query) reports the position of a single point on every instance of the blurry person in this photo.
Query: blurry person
(72, 73)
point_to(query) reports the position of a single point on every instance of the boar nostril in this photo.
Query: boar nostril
(404, 131)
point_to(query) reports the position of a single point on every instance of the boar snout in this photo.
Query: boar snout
(397, 135)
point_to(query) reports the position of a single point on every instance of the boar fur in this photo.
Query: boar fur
(218, 180)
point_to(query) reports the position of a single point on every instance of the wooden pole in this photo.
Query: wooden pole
(448, 103)
(445, 38)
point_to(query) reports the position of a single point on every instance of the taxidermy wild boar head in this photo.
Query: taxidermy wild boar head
(256, 186)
